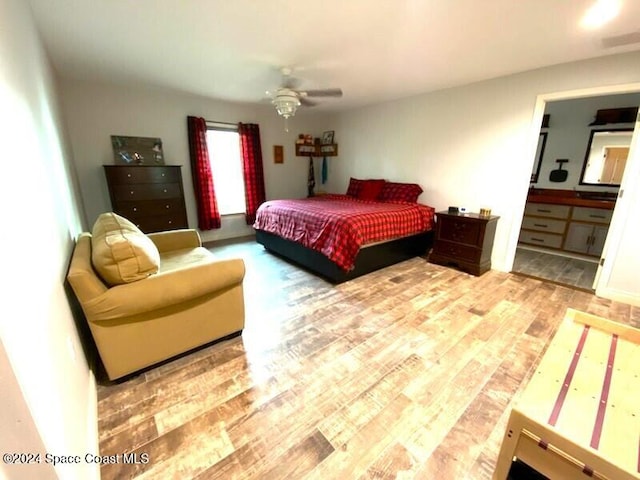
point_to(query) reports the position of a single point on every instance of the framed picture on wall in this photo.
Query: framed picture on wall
(542, 141)
(137, 150)
(327, 138)
(278, 154)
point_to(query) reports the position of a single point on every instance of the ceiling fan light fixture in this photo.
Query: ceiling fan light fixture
(286, 104)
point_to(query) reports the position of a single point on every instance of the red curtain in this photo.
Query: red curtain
(251, 153)
(208, 215)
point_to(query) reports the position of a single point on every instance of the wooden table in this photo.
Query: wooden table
(579, 417)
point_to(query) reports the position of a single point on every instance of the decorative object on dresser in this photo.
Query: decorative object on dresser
(137, 150)
(150, 196)
(464, 240)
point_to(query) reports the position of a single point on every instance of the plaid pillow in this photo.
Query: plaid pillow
(400, 192)
(354, 187)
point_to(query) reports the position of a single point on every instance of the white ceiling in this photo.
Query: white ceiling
(375, 50)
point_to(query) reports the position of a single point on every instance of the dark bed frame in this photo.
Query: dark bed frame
(368, 260)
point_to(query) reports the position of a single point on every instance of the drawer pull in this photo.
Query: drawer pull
(164, 190)
(543, 210)
(162, 174)
(537, 239)
(540, 225)
(131, 192)
(170, 222)
(597, 216)
(135, 209)
(128, 175)
(167, 207)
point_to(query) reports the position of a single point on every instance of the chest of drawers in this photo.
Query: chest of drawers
(464, 241)
(150, 196)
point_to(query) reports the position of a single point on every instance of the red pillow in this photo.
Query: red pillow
(370, 189)
(354, 187)
(400, 192)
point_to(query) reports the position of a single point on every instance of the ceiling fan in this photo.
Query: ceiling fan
(287, 98)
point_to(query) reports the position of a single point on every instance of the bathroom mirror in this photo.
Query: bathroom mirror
(606, 157)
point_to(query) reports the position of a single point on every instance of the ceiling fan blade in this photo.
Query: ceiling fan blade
(324, 92)
(306, 102)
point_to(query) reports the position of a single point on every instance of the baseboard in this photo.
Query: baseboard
(93, 435)
(618, 296)
(228, 241)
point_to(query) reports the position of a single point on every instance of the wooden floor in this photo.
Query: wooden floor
(565, 270)
(408, 372)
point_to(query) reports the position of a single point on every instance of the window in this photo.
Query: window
(226, 168)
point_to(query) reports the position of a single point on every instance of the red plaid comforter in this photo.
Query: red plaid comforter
(338, 225)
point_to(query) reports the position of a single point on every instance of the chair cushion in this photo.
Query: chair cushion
(120, 252)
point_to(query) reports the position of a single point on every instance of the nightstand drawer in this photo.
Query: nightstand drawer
(460, 231)
(547, 210)
(540, 238)
(544, 224)
(595, 215)
(457, 251)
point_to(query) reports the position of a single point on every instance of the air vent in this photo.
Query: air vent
(620, 40)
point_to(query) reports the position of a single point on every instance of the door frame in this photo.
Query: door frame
(629, 185)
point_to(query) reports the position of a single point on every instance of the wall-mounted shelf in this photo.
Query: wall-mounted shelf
(306, 150)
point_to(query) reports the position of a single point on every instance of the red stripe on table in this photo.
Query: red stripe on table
(555, 413)
(604, 396)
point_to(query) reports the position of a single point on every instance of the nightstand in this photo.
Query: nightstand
(464, 240)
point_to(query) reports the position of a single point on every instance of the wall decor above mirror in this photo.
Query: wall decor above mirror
(615, 115)
(606, 157)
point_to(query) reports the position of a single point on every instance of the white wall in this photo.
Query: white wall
(41, 218)
(470, 146)
(95, 111)
(568, 136)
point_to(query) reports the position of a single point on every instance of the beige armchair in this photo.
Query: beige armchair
(150, 297)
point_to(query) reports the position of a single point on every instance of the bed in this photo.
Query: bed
(341, 237)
